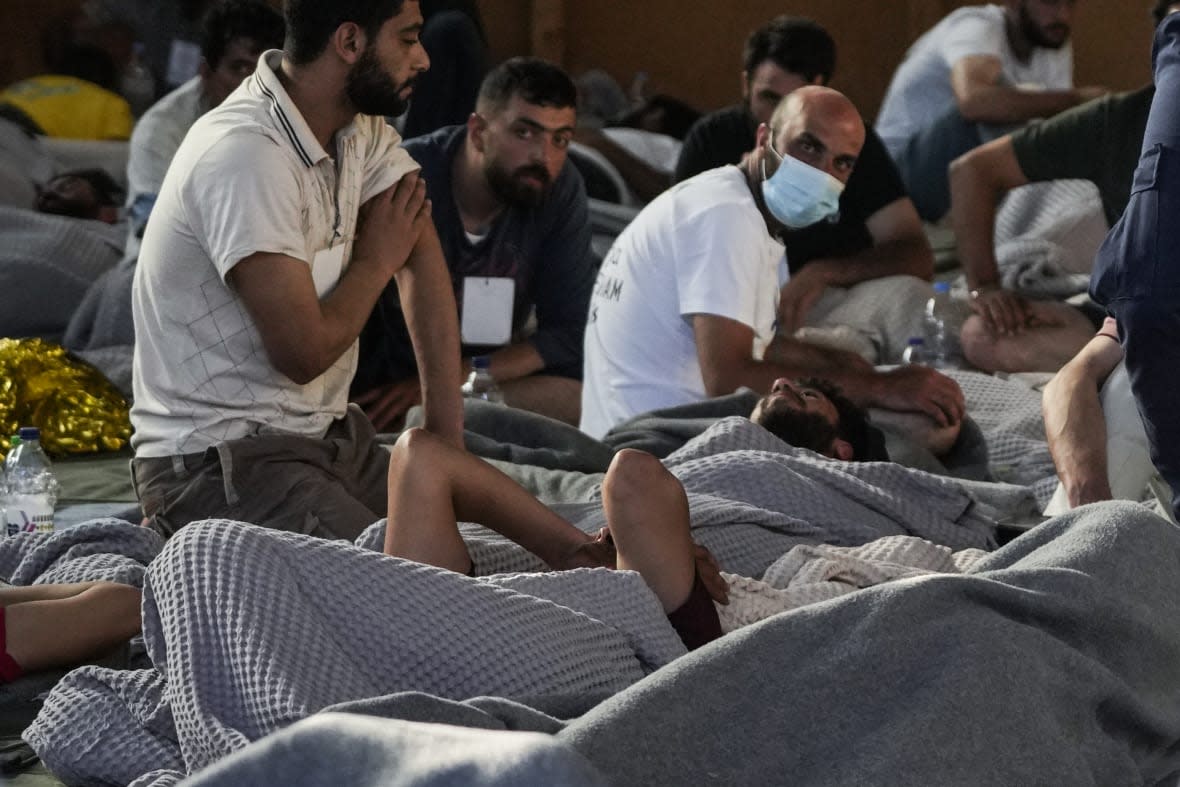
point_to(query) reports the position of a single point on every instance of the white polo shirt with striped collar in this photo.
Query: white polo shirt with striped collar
(249, 177)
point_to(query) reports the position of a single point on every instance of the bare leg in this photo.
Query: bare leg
(432, 485)
(647, 511)
(68, 624)
(1057, 335)
(559, 398)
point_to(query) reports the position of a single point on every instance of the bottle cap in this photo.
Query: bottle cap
(942, 286)
(916, 341)
(482, 362)
(29, 433)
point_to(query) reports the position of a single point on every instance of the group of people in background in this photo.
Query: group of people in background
(303, 276)
(295, 256)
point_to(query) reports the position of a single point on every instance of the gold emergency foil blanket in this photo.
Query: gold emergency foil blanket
(77, 409)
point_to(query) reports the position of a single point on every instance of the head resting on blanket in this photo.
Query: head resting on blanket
(81, 194)
(813, 414)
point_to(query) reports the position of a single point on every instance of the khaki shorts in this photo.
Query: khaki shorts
(333, 487)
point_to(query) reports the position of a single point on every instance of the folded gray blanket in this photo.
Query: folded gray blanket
(52, 260)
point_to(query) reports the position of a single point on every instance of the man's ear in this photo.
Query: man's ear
(842, 450)
(476, 126)
(745, 86)
(204, 70)
(348, 41)
(761, 136)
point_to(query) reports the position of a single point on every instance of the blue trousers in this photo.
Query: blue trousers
(1137, 271)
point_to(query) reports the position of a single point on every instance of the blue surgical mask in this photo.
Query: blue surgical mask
(798, 194)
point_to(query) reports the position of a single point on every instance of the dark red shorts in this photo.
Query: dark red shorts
(696, 619)
(9, 669)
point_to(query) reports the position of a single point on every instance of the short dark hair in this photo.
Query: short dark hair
(230, 20)
(535, 80)
(868, 444)
(108, 191)
(1161, 10)
(794, 44)
(310, 23)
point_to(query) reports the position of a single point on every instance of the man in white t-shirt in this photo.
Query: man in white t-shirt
(685, 303)
(285, 213)
(974, 76)
(234, 34)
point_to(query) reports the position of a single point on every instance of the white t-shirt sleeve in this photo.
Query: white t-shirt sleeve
(385, 160)
(153, 144)
(971, 34)
(245, 197)
(718, 265)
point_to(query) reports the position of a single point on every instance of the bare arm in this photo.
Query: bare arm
(982, 99)
(724, 351)
(899, 248)
(428, 302)
(303, 335)
(978, 181)
(1074, 423)
(516, 361)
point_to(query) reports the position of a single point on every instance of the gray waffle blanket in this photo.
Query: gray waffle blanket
(52, 260)
(1050, 661)
(249, 630)
(1003, 447)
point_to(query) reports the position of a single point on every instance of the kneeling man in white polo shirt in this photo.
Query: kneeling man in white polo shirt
(284, 214)
(685, 303)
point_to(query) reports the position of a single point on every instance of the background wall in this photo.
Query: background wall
(692, 49)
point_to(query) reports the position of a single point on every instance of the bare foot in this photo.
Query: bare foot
(596, 552)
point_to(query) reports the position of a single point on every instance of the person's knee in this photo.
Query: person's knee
(979, 346)
(633, 476)
(413, 447)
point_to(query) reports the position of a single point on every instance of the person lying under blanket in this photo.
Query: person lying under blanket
(807, 413)
(432, 486)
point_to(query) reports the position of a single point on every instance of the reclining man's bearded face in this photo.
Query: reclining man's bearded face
(81, 194)
(805, 414)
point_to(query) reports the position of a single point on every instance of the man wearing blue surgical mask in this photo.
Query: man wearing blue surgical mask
(685, 305)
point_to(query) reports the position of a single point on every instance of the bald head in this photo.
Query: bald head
(820, 126)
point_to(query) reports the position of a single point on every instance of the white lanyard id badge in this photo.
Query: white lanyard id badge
(487, 310)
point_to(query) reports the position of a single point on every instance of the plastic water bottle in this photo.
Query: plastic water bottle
(480, 383)
(915, 352)
(5, 472)
(138, 85)
(32, 486)
(944, 319)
